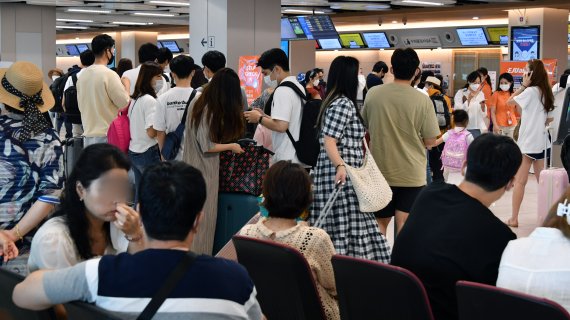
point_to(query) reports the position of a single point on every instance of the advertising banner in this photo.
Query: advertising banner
(250, 77)
(525, 43)
(516, 69)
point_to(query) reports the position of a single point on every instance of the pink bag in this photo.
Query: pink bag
(455, 150)
(119, 133)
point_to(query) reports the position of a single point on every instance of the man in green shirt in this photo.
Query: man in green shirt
(402, 124)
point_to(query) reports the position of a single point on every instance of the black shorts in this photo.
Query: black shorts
(402, 200)
(538, 156)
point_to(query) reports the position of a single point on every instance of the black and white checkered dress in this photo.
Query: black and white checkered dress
(352, 232)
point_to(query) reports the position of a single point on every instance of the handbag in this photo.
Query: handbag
(243, 173)
(173, 139)
(371, 187)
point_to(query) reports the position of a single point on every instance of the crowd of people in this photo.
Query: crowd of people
(109, 245)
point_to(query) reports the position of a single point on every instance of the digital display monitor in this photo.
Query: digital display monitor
(328, 44)
(159, 44)
(504, 40)
(376, 40)
(525, 43)
(472, 37)
(171, 45)
(285, 46)
(569, 33)
(351, 40)
(72, 50)
(82, 47)
(317, 27)
(498, 34)
(287, 32)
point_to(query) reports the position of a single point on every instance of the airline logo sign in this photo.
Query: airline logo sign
(516, 69)
(421, 41)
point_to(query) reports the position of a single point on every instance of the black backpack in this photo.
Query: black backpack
(72, 112)
(441, 111)
(307, 147)
(56, 89)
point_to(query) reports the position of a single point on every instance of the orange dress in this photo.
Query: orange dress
(503, 112)
(487, 92)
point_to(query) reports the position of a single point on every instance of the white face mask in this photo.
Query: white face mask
(53, 78)
(474, 86)
(505, 87)
(316, 82)
(268, 82)
(157, 86)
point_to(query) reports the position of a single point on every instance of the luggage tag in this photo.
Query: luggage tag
(564, 210)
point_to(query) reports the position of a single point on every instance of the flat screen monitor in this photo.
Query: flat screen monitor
(317, 27)
(504, 40)
(351, 40)
(376, 40)
(328, 44)
(72, 50)
(569, 33)
(159, 44)
(498, 34)
(287, 32)
(171, 45)
(82, 47)
(526, 43)
(285, 46)
(472, 37)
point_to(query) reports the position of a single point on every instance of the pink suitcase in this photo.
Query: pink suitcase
(553, 183)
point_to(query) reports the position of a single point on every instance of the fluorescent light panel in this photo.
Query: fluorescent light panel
(149, 14)
(171, 3)
(303, 11)
(71, 27)
(74, 20)
(132, 23)
(88, 11)
(423, 2)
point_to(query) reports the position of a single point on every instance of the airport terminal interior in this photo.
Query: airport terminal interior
(285, 159)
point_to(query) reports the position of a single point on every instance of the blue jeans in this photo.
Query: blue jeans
(141, 161)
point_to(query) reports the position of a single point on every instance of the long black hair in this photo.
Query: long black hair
(483, 71)
(342, 81)
(93, 162)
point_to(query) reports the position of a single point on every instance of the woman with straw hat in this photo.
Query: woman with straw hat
(31, 155)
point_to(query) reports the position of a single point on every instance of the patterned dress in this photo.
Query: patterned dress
(353, 233)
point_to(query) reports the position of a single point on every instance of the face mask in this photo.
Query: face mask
(112, 59)
(316, 83)
(474, 86)
(426, 89)
(54, 77)
(157, 86)
(268, 82)
(505, 87)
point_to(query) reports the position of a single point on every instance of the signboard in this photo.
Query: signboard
(351, 40)
(472, 37)
(377, 40)
(421, 41)
(498, 35)
(250, 77)
(525, 43)
(516, 69)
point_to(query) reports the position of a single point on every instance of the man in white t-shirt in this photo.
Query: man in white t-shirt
(285, 109)
(147, 52)
(171, 105)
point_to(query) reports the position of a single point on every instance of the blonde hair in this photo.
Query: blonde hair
(552, 219)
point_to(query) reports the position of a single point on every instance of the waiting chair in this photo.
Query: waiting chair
(283, 279)
(373, 290)
(78, 310)
(478, 301)
(8, 310)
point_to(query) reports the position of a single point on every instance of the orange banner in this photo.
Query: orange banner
(516, 69)
(250, 77)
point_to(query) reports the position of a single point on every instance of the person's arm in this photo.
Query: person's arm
(160, 137)
(126, 84)
(8, 248)
(129, 222)
(33, 217)
(221, 147)
(151, 133)
(461, 101)
(257, 116)
(336, 159)
(149, 111)
(494, 118)
(116, 91)
(324, 271)
(525, 84)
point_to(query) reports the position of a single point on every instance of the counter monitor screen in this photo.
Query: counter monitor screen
(159, 44)
(82, 47)
(332, 43)
(472, 37)
(72, 50)
(171, 45)
(498, 34)
(318, 27)
(504, 40)
(525, 43)
(285, 46)
(287, 31)
(351, 40)
(376, 40)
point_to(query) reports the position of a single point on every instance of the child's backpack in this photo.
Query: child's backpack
(119, 133)
(455, 151)
(441, 111)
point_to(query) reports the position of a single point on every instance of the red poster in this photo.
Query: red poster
(516, 69)
(250, 77)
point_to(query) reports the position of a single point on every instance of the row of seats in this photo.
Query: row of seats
(371, 290)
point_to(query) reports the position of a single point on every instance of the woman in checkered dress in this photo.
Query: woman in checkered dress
(352, 232)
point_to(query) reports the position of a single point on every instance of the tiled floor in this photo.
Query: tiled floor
(502, 208)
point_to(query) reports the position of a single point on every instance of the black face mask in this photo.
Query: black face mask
(112, 60)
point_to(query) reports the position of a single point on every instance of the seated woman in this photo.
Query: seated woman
(287, 195)
(540, 264)
(97, 193)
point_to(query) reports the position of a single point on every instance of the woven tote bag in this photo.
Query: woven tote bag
(371, 187)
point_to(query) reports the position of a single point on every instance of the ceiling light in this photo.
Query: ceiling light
(423, 2)
(303, 11)
(149, 14)
(170, 3)
(475, 18)
(132, 23)
(74, 20)
(71, 27)
(88, 11)
(394, 21)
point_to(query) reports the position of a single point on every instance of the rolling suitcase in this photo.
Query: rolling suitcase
(234, 211)
(72, 150)
(552, 184)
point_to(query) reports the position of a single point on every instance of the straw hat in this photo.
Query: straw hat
(433, 80)
(28, 79)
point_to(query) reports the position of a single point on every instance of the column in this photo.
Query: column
(235, 28)
(131, 41)
(302, 56)
(27, 33)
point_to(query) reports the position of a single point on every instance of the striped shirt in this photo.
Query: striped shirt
(213, 288)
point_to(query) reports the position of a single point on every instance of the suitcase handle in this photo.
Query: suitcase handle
(547, 135)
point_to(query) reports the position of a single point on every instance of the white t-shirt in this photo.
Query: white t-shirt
(287, 106)
(53, 247)
(170, 109)
(133, 74)
(473, 108)
(532, 134)
(458, 129)
(69, 81)
(141, 117)
(538, 265)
